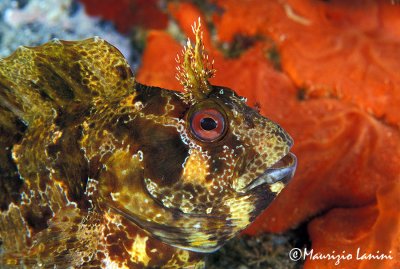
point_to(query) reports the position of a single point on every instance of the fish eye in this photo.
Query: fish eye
(208, 124)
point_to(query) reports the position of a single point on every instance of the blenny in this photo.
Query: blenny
(100, 171)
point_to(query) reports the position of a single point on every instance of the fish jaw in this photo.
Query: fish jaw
(278, 175)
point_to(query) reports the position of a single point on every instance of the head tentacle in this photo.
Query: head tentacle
(194, 68)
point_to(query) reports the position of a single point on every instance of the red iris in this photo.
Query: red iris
(208, 124)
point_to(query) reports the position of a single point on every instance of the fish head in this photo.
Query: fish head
(237, 161)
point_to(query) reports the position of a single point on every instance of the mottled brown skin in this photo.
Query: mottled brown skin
(97, 170)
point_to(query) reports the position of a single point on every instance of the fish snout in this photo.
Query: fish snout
(282, 171)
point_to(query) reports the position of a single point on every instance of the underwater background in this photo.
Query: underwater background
(327, 71)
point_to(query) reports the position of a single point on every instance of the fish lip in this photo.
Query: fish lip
(283, 170)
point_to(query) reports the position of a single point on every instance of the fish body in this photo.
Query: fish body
(100, 171)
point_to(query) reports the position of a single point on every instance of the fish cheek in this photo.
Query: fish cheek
(227, 159)
(163, 153)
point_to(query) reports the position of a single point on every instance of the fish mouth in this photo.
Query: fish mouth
(283, 170)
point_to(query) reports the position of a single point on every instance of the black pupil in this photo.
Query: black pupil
(208, 124)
